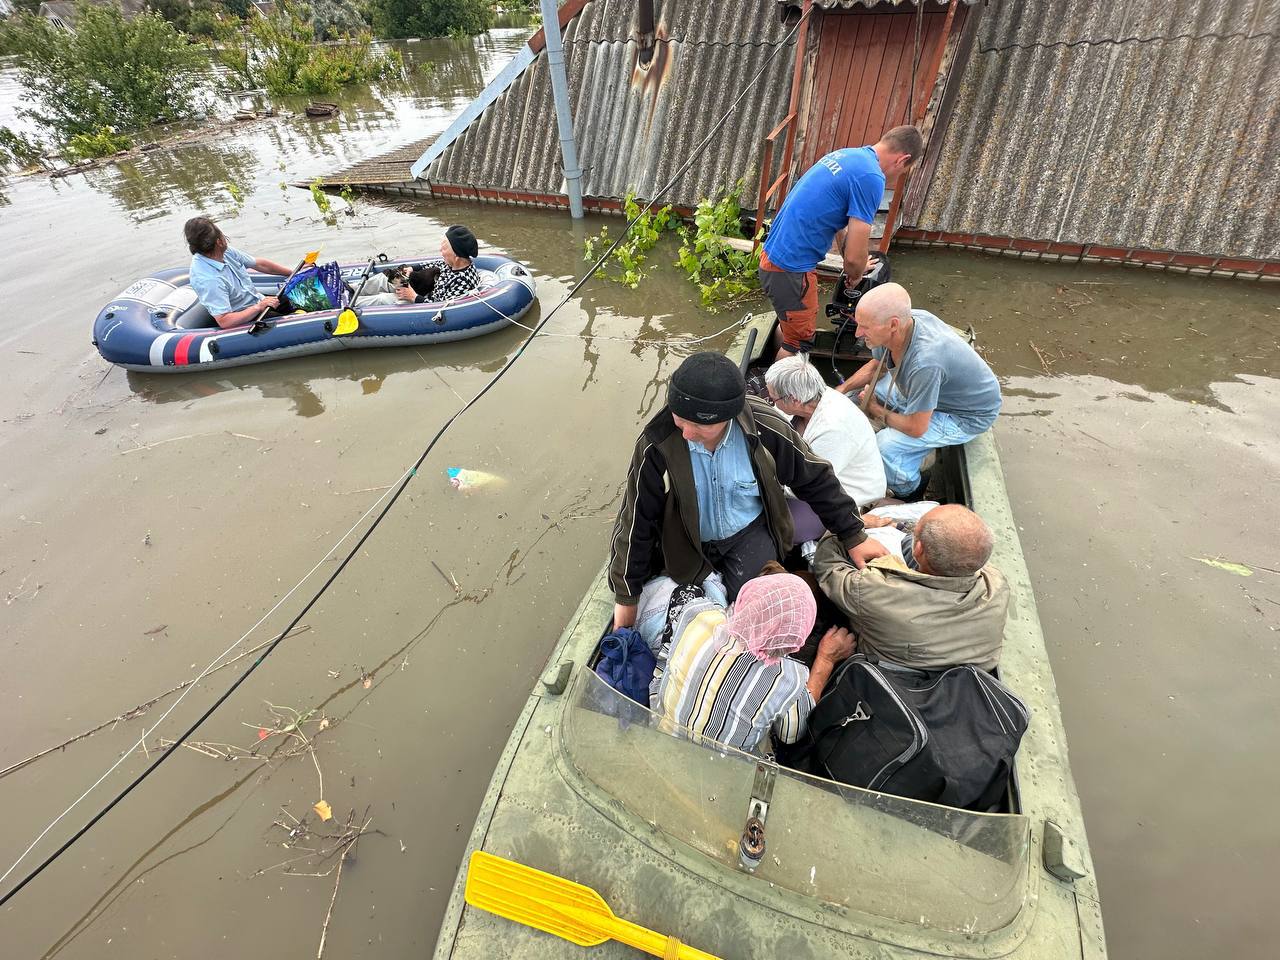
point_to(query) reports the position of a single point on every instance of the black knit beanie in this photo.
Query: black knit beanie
(463, 241)
(707, 388)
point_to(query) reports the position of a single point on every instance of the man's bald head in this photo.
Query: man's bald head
(953, 541)
(881, 304)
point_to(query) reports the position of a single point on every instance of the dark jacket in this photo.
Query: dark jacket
(657, 527)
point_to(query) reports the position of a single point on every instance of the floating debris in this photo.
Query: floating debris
(469, 480)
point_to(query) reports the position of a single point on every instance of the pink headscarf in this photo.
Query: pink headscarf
(773, 616)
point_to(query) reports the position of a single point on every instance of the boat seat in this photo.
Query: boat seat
(185, 310)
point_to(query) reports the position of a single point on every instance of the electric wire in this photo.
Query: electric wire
(391, 497)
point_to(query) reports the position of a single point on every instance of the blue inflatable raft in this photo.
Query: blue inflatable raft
(157, 325)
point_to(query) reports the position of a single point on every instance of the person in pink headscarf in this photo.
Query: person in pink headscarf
(728, 678)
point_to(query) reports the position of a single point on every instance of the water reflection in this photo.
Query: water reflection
(1166, 333)
(299, 380)
(195, 176)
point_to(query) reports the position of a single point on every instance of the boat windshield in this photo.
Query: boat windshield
(902, 860)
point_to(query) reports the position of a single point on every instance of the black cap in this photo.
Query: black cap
(463, 241)
(707, 388)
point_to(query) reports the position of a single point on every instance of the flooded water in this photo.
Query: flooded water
(148, 522)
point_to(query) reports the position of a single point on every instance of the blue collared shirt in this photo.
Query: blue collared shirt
(728, 495)
(223, 286)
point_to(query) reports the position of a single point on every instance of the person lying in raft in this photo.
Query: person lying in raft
(728, 678)
(220, 279)
(451, 276)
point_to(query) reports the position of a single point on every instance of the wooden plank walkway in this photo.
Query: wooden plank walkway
(390, 167)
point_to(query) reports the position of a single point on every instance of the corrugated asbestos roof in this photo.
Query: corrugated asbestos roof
(1150, 123)
(635, 127)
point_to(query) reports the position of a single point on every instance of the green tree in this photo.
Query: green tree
(110, 74)
(430, 18)
(280, 54)
(333, 19)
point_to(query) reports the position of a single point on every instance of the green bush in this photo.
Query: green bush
(90, 146)
(110, 73)
(722, 273)
(279, 53)
(625, 264)
(18, 151)
(430, 18)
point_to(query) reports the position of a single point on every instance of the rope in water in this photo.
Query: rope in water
(390, 497)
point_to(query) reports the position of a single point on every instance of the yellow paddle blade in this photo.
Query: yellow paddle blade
(560, 907)
(347, 323)
(311, 257)
(537, 899)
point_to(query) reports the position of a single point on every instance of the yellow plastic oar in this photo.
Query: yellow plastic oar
(561, 907)
(348, 322)
(348, 319)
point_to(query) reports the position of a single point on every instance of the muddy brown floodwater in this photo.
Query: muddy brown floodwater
(147, 522)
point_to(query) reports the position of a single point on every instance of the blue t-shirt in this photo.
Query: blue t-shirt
(224, 286)
(941, 372)
(843, 184)
(728, 496)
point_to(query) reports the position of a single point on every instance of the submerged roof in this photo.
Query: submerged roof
(1151, 123)
(635, 125)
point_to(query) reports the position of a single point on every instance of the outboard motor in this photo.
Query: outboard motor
(844, 302)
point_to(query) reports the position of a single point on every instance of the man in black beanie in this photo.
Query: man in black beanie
(705, 489)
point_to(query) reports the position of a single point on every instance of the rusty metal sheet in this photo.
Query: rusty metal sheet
(635, 126)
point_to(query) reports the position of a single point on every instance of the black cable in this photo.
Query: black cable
(404, 482)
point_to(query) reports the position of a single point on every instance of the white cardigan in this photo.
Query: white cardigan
(840, 433)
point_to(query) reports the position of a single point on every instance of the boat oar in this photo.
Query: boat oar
(348, 319)
(560, 907)
(306, 261)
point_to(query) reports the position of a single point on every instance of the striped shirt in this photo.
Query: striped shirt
(452, 284)
(709, 684)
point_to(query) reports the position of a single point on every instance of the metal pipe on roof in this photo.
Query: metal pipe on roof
(644, 33)
(564, 119)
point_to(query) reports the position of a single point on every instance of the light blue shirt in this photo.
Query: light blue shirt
(728, 496)
(941, 372)
(223, 286)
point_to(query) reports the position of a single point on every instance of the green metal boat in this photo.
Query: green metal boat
(589, 789)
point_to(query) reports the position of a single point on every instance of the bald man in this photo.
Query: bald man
(934, 391)
(949, 611)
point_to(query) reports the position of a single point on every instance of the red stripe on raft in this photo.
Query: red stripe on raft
(180, 353)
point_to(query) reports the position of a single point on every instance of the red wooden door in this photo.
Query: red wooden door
(862, 76)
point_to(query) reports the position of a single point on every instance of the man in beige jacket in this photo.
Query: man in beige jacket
(949, 611)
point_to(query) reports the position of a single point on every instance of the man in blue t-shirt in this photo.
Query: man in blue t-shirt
(220, 278)
(836, 200)
(935, 391)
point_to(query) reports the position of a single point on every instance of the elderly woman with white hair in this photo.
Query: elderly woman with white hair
(835, 430)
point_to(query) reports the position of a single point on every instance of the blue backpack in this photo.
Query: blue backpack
(317, 287)
(627, 664)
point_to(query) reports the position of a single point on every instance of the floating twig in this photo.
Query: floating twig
(1044, 361)
(141, 708)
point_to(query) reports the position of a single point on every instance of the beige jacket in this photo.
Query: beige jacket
(912, 618)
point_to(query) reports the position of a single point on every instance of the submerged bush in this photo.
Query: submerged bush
(18, 151)
(110, 73)
(430, 18)
(279, 53)
(90, 146)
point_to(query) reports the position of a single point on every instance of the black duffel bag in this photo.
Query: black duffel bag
(946, 736)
